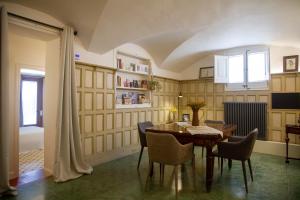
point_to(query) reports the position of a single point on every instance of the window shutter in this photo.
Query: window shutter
(221, 69)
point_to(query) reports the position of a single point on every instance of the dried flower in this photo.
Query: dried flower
(196, 105)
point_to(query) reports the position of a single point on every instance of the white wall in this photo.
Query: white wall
(51, 101)
(276, 61)
(109, 59)
(276, 57)
(27, 52)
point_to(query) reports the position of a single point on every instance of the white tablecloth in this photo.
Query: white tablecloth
(199, 129)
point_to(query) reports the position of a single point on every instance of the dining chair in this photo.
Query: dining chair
(142, 134)
(213, 122)
(238, 148)
(164, 148)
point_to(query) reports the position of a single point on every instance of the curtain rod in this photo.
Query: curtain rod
(37, 22)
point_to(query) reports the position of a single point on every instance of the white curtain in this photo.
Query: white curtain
(69, 161)
(6, 128)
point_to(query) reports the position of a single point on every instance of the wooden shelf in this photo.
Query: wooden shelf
(131, 88)
(133, 72)
(124, 106)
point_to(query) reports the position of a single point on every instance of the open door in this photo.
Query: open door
(31, 101)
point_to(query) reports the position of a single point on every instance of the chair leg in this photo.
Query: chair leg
(194, 164)
(176, 180)
(250, 168)
(202, 151)
(140, 157)
(222, 166)
(229, 163)
(161, 168)
(218, 161)
(151, 167)
(245, 175)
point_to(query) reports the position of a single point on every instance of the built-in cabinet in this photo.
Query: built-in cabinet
(132, 78)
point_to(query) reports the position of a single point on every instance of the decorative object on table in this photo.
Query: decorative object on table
(178, 103)
(290, 63)
(154, 85)
(206, 72)
(173, 110)
(195, 106)
(186, 117)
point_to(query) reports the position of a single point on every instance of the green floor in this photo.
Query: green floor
(119, 179)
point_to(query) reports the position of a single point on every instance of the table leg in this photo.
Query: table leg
(209, 168)
(287, 148)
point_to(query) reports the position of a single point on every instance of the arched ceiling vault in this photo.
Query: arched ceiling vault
(176, 32)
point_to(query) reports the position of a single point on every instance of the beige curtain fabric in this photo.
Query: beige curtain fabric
(5, 115)
(69, 161)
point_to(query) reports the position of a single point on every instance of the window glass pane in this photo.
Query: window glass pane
(236, 69)
(256, 67)
(29, 102)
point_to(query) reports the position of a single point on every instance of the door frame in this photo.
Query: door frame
(14, 169)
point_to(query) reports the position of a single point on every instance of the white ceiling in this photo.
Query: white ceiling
(177, 32)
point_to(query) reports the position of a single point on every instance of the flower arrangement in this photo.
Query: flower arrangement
(153, 84)
(196, 105)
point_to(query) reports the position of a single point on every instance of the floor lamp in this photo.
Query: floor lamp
(179, 97)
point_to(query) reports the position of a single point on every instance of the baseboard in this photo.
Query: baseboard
(109, 156)
(276, 148)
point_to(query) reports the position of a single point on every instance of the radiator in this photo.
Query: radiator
(247, 116)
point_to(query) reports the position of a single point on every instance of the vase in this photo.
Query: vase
(195, 121)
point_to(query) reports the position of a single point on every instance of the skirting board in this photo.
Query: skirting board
(108, 156)
(276, 148)
(266, 147)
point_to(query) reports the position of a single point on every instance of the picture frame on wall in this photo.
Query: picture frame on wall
(206, 72)
(185, 117)
(290, 63)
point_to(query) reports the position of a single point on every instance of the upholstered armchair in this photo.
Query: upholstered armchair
(238, 148)
(164, 148)
(142, 134)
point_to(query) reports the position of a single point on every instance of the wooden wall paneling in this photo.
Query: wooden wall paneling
(88, 146)
(118, 140)
(109, 141)
(290, 83)
(78, 77)
(88, 77)
(127, 138)
(298, 83)
(276, 84)
(99, 79)
(99, 143)
(119, 120)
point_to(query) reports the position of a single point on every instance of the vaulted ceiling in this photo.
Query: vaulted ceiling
(177, 32)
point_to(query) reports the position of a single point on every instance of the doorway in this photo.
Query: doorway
(31, 133)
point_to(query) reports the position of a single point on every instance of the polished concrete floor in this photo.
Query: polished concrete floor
(119, 179)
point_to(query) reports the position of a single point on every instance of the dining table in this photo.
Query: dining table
(206, 140)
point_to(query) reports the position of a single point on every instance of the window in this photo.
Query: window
(244, 70)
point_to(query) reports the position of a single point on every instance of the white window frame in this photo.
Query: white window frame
(224, 78)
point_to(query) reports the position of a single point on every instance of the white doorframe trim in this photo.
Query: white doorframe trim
(14, 169)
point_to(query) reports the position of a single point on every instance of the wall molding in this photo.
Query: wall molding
(276, 148)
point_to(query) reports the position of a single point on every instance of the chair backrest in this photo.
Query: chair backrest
(248, 143)
(214, 122)
(142, 131)
(163, 148)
